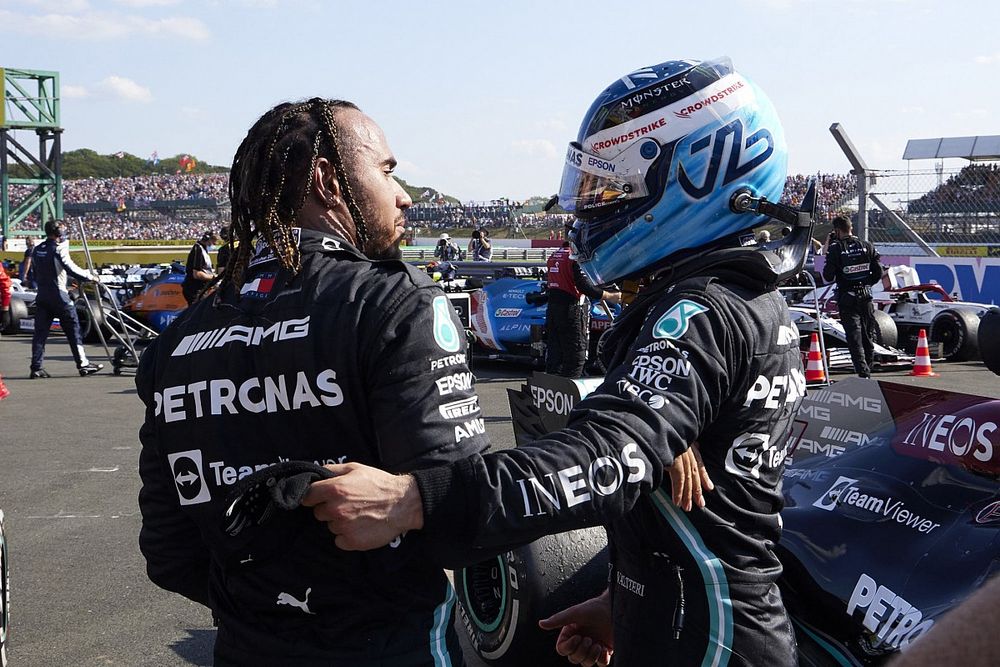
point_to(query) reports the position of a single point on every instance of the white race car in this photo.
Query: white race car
(952, 326)
(914, 305)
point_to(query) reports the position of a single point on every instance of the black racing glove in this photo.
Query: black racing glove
(258, 496)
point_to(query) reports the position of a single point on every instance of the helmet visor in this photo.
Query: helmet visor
(591, 183)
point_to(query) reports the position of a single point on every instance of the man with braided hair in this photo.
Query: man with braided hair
(318, 345)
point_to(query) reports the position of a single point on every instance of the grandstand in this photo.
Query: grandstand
(958, 207)
(181, 206)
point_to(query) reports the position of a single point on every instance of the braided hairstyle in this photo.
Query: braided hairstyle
(272, 176)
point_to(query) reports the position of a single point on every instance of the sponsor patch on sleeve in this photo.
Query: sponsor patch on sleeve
(445, 332)
(674, 323)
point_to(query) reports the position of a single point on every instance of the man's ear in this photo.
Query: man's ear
(325, 184)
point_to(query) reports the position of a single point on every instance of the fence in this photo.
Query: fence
(955, 211)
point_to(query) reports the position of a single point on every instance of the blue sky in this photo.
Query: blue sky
(479, 99)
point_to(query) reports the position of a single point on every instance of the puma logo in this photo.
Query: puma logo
(285, 598)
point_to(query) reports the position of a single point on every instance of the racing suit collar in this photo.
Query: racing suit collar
(739, 265)
(311, 240)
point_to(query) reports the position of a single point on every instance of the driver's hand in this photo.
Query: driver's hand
(585, 632)
(688, 477)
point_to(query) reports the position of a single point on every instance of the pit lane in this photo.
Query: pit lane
(68, 487)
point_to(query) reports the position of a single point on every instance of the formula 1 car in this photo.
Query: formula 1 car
(835, 338)
(503, 307)
(891, 519)
(914, 305)
(508, 320)
(151, 295)
(952, 326)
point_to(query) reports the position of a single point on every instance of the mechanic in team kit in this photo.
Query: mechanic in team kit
(665, 158)
(52, 264)
(320, 345)
(854, 264)
(567, 313)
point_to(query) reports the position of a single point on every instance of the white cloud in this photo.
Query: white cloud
(126, 89)
(989, 59)
(58, 6)
(100, 26)
(138, 4)
(913, 109)
(971, 113)
(69, 92)
(558, 125)
(775, 5)
(535, 147)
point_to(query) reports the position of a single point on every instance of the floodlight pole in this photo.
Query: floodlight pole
(860, 169)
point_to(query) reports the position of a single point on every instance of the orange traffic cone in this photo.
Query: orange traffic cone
(4, 391)
(922, 362)
(814, 366)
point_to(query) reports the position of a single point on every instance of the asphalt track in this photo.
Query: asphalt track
(68, 486)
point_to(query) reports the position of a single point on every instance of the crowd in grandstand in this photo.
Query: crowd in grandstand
(124, 219)
(144, 189)
(975, 184)
(834, 189)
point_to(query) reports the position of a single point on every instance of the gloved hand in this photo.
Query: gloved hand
(5, 319)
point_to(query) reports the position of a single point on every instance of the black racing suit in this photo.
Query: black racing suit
(52, 265)
(712, 358)
(352, 360)
(854, 264)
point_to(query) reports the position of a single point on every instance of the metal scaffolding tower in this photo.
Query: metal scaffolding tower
(29, 100)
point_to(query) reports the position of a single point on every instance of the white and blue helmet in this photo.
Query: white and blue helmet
(658, 159)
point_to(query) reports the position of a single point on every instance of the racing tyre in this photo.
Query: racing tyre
(502, 599)
(18, 311)
(886, 333)
(89, 325)
(957, 331)
(989, 326)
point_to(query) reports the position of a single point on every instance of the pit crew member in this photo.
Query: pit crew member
(854, 264)
(567, 313)
(52, 265)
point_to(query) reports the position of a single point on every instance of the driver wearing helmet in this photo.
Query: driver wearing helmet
(666, 177)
